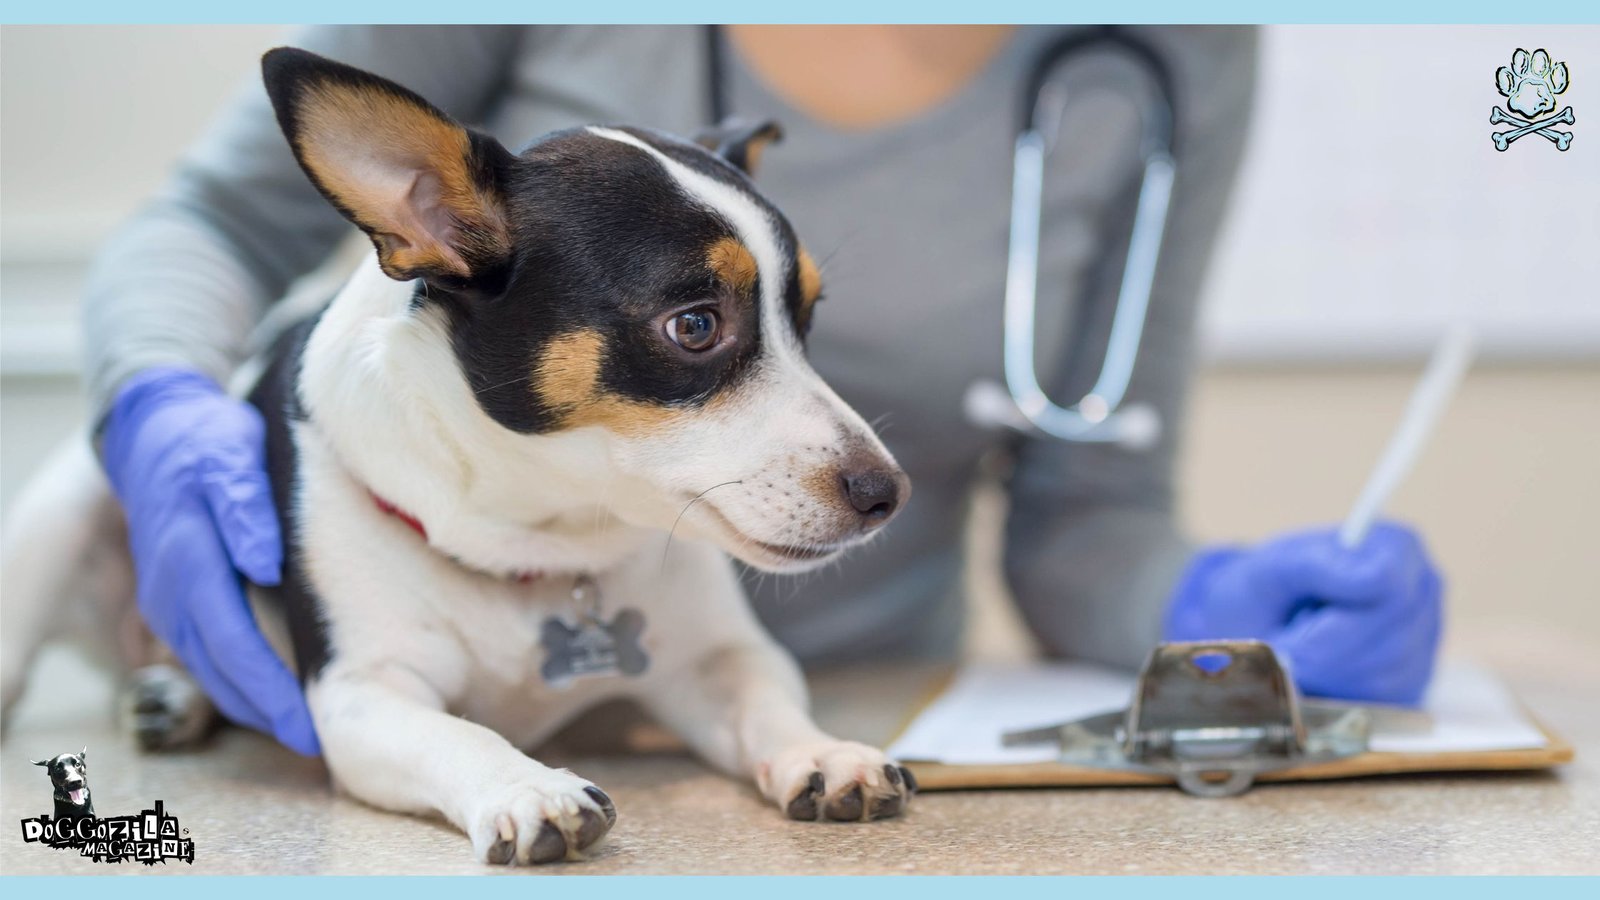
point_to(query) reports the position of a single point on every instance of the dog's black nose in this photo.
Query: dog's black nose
(875, 491)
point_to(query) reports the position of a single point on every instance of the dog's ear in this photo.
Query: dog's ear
(83, 755)
(740, 141)
(45, 763)
(425, 189)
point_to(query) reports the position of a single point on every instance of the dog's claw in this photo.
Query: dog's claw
(887, 807)
(543, 816)
(502, 853)
(147, 700)
(804, 805)
(549, 846)
(846, 807)
(910, 779)
(604, 800)
(166, 709)
(151, 738)
(837, 781)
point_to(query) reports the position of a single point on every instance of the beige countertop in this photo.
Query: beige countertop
(252, 807)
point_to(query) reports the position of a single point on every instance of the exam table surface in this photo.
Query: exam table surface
(253, 807)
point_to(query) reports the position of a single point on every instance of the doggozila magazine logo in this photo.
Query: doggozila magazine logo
(152, 836)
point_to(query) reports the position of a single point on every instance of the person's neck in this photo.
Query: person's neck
(863, 76)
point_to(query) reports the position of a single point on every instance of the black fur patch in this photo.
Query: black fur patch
(605, 241)
(277, 399)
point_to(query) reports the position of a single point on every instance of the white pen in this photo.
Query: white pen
(1430, 397)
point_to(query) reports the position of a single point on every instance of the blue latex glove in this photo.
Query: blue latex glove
(1358, 624)
(189, 465)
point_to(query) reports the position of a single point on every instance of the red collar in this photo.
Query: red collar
(412, 522)
(415, 524)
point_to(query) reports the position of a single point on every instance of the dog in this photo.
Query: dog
(69, 776)
(513, 456)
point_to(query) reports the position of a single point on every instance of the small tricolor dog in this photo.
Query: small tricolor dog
(513, 455)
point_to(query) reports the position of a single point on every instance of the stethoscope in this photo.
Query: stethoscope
(1101, 415)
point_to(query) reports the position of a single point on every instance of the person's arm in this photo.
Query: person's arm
(171, 301)
(186, 279)
(1092, 550)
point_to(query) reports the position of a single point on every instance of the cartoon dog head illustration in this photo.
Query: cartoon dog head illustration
(69, 774)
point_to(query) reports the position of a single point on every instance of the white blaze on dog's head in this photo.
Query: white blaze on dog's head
(625, 310)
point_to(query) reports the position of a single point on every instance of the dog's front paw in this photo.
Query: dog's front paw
(166, 709)
(840, 781)
(542, 817)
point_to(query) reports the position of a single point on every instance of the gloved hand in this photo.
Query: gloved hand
(1358, 624)
(189, 465)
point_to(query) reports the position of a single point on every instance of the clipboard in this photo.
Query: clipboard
(1317, 756)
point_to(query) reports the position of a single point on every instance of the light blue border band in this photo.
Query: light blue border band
(842, 11)
(691, 11)
(802, 888)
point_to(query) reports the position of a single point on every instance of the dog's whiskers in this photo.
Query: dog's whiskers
(828, 257)
(495, 387)
(692, 501)
(600, 509)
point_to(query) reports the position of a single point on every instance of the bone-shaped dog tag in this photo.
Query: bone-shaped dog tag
(593, 647)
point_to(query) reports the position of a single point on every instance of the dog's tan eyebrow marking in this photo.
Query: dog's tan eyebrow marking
(567, 379)
(734, 264)
(568, 369)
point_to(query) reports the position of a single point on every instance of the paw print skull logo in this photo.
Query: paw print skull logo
(1530, 85)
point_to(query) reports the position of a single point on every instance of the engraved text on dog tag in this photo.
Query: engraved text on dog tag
(593, 647)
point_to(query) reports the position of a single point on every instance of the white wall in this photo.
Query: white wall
(94, 115)
(1374, 206)
(91, 118)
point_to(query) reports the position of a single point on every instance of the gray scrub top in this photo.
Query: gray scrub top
(909, 221)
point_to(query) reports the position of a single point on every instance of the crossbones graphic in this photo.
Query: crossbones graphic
(1530, 85)
(1503, 139)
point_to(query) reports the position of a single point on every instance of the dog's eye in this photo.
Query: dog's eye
(696, 330)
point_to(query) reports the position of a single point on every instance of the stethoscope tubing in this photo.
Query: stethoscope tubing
(1100, 416)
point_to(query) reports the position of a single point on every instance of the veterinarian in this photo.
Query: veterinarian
(896, 170)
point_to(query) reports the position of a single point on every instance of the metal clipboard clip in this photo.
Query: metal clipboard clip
(1213, 715)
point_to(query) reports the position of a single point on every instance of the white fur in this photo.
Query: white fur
(64, 569)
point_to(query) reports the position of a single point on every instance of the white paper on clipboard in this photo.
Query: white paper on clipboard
(1468, 709)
